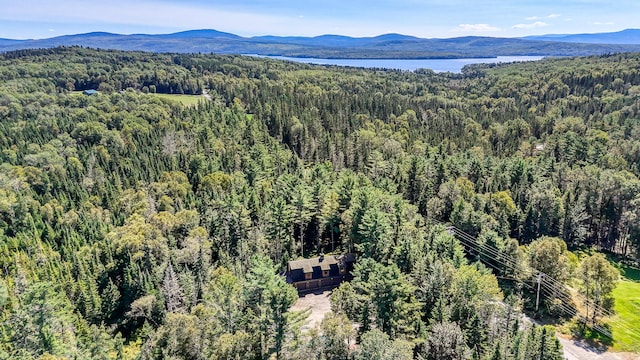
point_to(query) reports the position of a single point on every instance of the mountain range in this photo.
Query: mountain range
(628, 36)
(337, 46)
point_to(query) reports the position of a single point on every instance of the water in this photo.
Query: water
(437, 65)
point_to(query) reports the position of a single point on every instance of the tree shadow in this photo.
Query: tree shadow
(590, 339)
(628, 269)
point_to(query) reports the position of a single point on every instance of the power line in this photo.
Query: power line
(548, 285)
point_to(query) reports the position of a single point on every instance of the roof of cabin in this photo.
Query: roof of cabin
(324, 262)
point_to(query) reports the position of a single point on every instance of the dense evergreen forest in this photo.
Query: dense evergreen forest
(135, 227)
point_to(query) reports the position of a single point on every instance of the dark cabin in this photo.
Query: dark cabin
(325, 271)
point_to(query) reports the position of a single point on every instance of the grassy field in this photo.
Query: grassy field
(625, 326)
(627, 295)
(186, 100)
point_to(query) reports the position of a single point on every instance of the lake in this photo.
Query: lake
(437, 65)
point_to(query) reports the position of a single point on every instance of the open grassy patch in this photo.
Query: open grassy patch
(186, 100)
(625, 325)
(627, 295)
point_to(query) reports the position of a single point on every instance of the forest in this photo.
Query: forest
(136, 227)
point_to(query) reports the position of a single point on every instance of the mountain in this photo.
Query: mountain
(628, 36)
(9, 41)
(337, 40)
(337, 46)
(203, 33)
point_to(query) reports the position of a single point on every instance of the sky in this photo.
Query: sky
(35, 19)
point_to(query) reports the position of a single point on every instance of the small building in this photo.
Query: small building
(90, 92)
(325, 271)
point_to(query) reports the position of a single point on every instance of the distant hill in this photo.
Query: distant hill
(628, 36)
(8, 42)
(204, 33)
(337, 46)
(338, 40)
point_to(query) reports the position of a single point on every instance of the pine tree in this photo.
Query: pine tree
(172, 291)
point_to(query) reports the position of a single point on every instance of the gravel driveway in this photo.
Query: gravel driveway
(318, 303)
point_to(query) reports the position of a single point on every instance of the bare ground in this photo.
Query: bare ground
(319, 304)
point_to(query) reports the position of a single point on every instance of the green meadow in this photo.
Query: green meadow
(627, 295)
(186, 100)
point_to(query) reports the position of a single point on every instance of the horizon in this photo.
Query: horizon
(40, 19)
(311, 36)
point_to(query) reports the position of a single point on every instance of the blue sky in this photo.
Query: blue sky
(22, 19)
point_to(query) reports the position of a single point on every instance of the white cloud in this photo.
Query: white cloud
(533, 25)
(604, 23)
(535, 18)
(477, 27)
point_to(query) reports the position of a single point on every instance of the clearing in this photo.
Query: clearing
(319, 304)
(186, 100)
(625, 326)
(627, 308)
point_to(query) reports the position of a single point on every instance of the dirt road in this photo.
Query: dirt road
(577, 350)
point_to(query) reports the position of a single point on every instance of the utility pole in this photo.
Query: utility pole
(539, 279)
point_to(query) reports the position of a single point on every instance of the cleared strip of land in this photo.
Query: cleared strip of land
(187, 100)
